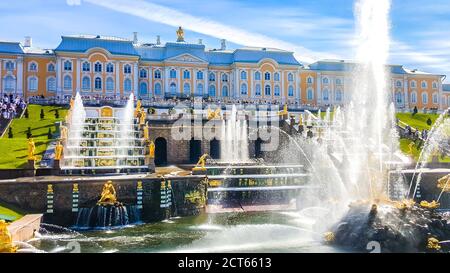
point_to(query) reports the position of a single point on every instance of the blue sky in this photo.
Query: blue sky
(314, 29)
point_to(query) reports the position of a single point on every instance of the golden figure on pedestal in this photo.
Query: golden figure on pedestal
(108, 196)
(180, 35)
(6, 244)
(31, 149)
(151, 149)
(146, 131)
(216, 114)
(142, 117)
(58, 151)
(201, 164)
(444, 183)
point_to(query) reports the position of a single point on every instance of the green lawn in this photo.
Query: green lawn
(14, 150)
(8, 214)
(418, 121)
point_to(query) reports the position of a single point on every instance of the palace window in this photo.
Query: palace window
(325, 80)
(127, 69)
(398, 83)
(435, 85)
(435, 98)
(243, 75)
(158, 89)
(325, 95)
(32, 67)
(309, 80)
(86, 83)
(173, 74)
(9, 83)
(186, 74)
(424, 98)
(157, 74)
(68, 66)
(243, 89)
(127, 85)
(98, 67)
(143, 88)
(110, 68)
(413, 97)
(277, 90)
(199, 75)
(267, 90)
(339, 95)
(399, 98)
(32, 84)
(67, 82)
(51, 68)
(338, 81)
(309, 94)
(224, 78)
(257, 76)
(258, 90)
(199, 89)
(86, 67)
(143, 73)
(186, 88)
(225, 91)
(109, 84)
(424, 84)
(173, 89)
(98, 83)
(9, 65)
(212, 91)
(267, 76)
(276, 77)
(291, 91)
(212, 77)
(413, 84)
(290, 77)
(51, 84)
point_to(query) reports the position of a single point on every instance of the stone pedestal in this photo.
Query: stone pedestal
(56, 167)
(151, 165)
(31, 165)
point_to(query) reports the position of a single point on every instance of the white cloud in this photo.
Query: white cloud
(73, 2)
(172, 17)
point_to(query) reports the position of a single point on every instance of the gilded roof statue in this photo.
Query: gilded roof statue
(180, 35)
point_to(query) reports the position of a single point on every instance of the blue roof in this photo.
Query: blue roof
(332, 66)
(446, 87)
(82, 44)
(398, 69)
(11, 48)
(220, 57)
(256, 55)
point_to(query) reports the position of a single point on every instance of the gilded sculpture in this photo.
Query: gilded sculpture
(108, 196)
(58, 151)
(151, 149)
(31, 149)
(180, 35)
(6, 244)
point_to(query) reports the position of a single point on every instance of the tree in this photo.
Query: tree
(429, 122)
(49, 134)
(42, 114)
(10, 132)
(29, 134)
(56, 114)
(415, 111)
(26, 114)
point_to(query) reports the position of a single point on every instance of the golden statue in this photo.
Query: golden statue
(146, 131)
(433, 243)
(300, 120)
(108, 196)
(329, 237)
(72, 103)
(429, 205)
(151, 149)
(180, 35)
(410, 146)
(284, 112)
(138, 104)
(63, 132)
(6, 244)
(213, 114)
(58, 151)
(31, 149)
(444, 183)
(142, 117)
(201, 162)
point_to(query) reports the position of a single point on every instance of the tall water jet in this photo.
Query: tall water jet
(76, 125)
(234, 138)
(127, 127)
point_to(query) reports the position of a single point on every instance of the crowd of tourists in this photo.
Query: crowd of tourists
(11, 106)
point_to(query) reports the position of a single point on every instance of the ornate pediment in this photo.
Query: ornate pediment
(185, 58)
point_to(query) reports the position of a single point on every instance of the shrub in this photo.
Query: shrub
(29, 134)
(56, 114)
(10, 133)
(49, 134)
(26, 114)
(429, 122)
(42, 115)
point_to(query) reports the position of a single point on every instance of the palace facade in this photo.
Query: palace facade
(115, 67)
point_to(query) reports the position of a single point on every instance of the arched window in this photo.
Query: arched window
(86, 83)
(224, 77)
(413, 97)
(98, 83)
(267, 76)
(173, 74)
(339, 95)
(267, 90)
(32, 83)
(424, 84)
(257, 76)
(86, 67)
(67, 82)
(413, 84)
(243, 75)
(243, 89)
(309, 94)
(325, 80)
(9, 83)
(199, 75)
(398, 83)
(109, 84)
(326, 95)
(258, 90)
(33, 66)
(277, 90)
(435, 98)
(435, 85)
(98, 67)
(399, 98)
(225, 91)
(158, 89)
(338, 81)
(157, 74)
(143, 88)
(9, 65)
(127, 85)
(309, 80)
(51, 68)
(199, 89)
(110, 68)
(186, 74)
(127, 69)
(187, 88)
(424, 98)
(276, 77)
(212, 91)
(173, 89)
(212, 77)
(143, 73)
(290, 77)
(51, 84)
(67, 65)
(291, 91)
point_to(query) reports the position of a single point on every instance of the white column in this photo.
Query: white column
(206, 78)
(78, 81)
(150, 82)
(283, 96)
(441, 103)
(180, 82)
(236, 83)
(405, 92)
(136, 79)
(117, 81)
(1, 79)
(319, 89)
(19, 88)
(166, 80)
(298, 91)
(59, 77)
(251, 88)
